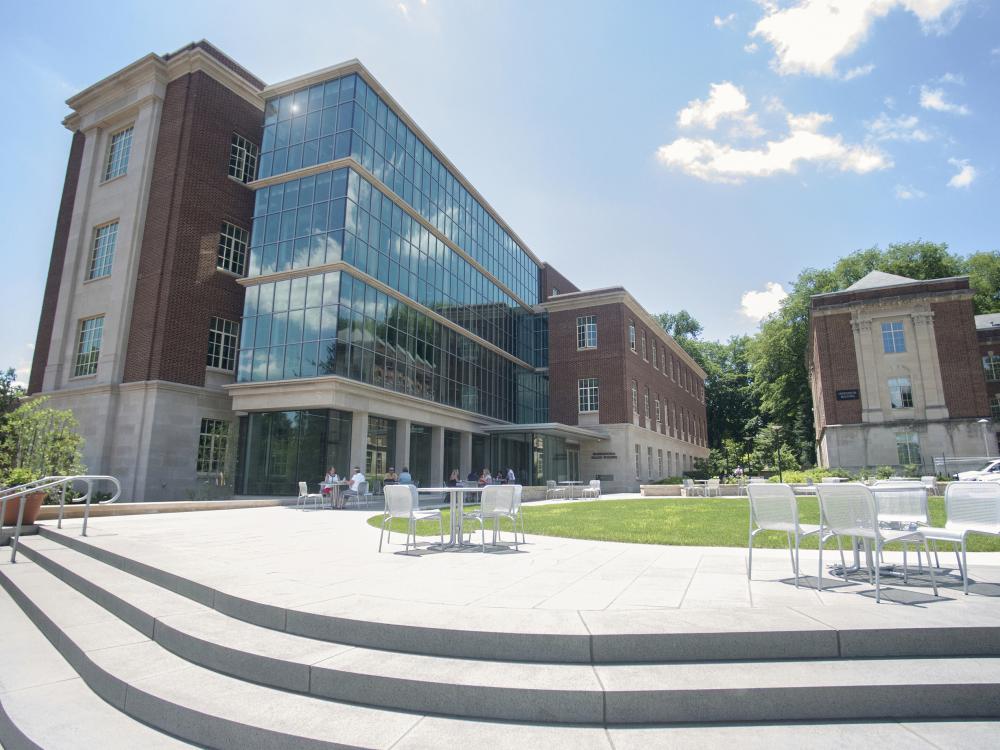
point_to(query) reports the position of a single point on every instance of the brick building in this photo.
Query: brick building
(896, 374)
(988, 335)
(250, 283)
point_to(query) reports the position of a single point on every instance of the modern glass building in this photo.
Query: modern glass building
(376, 269)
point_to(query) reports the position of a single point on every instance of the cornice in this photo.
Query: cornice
(372, 281)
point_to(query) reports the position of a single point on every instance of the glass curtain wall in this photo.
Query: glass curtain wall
(452, 454)
(381, 451)
(420, 455)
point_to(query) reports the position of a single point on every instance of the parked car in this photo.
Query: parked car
(990, 472)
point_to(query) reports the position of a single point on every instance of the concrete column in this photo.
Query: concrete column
(864, 351)
(402, 444)
(359, 441)
(437, 456)
(464, 454)
(925, 346)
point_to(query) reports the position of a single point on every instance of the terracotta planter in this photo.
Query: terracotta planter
(32, 504)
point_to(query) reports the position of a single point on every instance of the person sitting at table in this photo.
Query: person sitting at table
(404, 477)
(331, 476)
(390, 477)
(454, 479)
(511, 477)
(485, 478)
(353, 487)
(473, 476)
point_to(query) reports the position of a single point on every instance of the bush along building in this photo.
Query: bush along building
(250, 283)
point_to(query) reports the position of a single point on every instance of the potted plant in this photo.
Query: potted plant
(32, 502)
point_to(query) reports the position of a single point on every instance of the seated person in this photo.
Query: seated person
(473, 476)
(353, 487)
(390, 477)
(511, 477)
(331, 476)
(485, 478)
(454, 479)
(404, 476)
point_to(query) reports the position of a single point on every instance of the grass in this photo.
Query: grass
(685, 522)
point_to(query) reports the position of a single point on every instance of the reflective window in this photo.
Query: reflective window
(232, 255)
(103, 254)
(900, 393)
(213, 442)
(586, 332)
(242, 159)
(908, 448)
(88, 346)
(995, 407)
(223, 336)
(631, 335)
(587, 391)
(635, 397)
(893, 339)
(119, 149)
(991, 366)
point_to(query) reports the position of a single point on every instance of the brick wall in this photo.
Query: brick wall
(178, 289)
(958, 352)
(835, 367)
(551, 279)
(50, 296)
(989, 343)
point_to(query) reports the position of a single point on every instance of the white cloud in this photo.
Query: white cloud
(908, 192)
(751, 47)
(718, 161)
(935, 99)
(964, 176)
(403, 9)
(757, 305)
(858, 72)
(956, 78)
(902, 128)
(812, 35)
(720, 22)
(725, 102)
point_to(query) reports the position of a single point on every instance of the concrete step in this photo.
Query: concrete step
(592, 637)
(45, 704)
(839, 689)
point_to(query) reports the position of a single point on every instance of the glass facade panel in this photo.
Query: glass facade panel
(420, 455)
(893, 338)
(344, 118)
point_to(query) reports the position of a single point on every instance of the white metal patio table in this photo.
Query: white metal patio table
(571, 488)
(336, 490)
(455, 503)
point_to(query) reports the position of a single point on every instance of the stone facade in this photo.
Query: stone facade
(924, 388)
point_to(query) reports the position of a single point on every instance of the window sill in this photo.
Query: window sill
(105, 277)
(113, 179)
(227, 272)
(82, 377)
(586, 348)
(240, 182)
(221, 371)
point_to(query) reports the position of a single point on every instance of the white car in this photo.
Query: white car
(991, 472)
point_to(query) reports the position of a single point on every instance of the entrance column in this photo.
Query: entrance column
(359, 441)
(464, 454)
(402, 444)
(437, 456)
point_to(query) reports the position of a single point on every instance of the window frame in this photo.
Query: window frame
(635, 397)
(585, 326)
(108, 258)
(213, 446)
(644, 349)
(228, 248)
(894, 331)
(911, 441)
(118, 167)
(900, 391)
(243, 162)
(92, 355)
(991, 367)
(223, 337)
(631, 335)
(588, 393)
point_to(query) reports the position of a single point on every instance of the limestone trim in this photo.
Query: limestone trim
(355, 66)
(337, 392)
(362, 276)
(349, 162)
(620, 295)
(897, 299)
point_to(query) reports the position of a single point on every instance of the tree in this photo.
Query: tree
(10, 392)
(41, 440)
(680, 325)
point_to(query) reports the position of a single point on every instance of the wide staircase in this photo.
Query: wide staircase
(106, 651)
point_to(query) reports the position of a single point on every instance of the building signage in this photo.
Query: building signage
(600, 456)
(852, 394)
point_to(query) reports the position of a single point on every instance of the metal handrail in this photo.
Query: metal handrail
(21, 491)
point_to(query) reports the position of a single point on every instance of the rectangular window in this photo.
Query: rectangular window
(657, 413)
(222, 337)
(586, 332)
(103, 254)
(649, 462)
(232, 255)
(908, 448)
(119, 148)
(659, 455)
(644, 346)
(587, 391)
(635, 397)
(893, 340)
(654, 358)
(212, 445)
(88, 346)
(242, 159)
(631, 335)
(991, 366)
(638, 461)
(995, 407)
(900, 393)
(645, 404)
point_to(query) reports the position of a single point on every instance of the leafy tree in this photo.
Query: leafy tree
(10, 392)
(40, 440)
(681, 325)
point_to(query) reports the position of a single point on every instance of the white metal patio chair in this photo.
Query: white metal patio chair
(305, 496)
(713, 485)
(971, 508)
(850, 509)
(930, 483)
(902, 505)
(399, 503)
(592, 490)
(553, 490)
(690, 489)
(518, 512)
(773, 507)
(495, 502)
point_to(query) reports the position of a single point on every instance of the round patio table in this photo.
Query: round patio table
(336, 490)
(455, 504)
(571, 488)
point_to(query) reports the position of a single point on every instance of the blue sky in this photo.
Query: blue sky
(692, 152)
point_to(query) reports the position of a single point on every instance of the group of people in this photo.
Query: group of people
(353, 485)
(483, 478)
(391, 477)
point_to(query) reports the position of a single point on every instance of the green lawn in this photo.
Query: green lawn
(687, 521)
